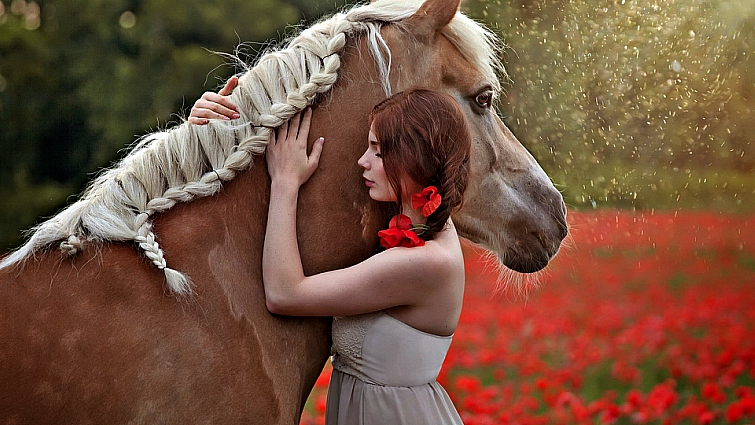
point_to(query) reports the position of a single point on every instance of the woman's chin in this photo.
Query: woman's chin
(381, 197)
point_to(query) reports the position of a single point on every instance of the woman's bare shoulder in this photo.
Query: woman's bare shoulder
(442, 255)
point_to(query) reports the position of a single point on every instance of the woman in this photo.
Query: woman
(395, 313)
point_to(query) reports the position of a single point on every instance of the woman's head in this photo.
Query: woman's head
(423, 140)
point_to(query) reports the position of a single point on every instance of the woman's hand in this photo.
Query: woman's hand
(287, 159)
(215, 105)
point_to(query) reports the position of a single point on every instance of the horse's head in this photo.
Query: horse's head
(511, 207)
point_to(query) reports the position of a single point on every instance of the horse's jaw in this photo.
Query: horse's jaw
(524, 228)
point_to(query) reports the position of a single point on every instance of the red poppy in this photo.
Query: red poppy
(468, 383)
(429, 200)
(706, 417)
(713, 393)
(399, 233)
(734, 412)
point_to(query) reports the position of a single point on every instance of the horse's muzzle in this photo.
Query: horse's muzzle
(536, 243)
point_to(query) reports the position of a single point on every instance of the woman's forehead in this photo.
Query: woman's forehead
(372, 137)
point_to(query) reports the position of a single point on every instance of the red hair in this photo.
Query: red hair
(423, 135)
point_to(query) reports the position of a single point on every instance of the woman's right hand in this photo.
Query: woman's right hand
(287, 159)
(215, 105)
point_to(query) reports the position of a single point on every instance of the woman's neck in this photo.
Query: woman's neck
(416, 217)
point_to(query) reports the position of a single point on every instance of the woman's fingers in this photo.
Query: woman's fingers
(215, 105)
(231, 84)
(283, 132)
(314, 156)
(287, 158)
(219, 104)
(198, 121)
(203, 111)
(293, 126)
(304, 126)
(293, 129)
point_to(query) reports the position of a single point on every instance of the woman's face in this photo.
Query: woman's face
(374, 173)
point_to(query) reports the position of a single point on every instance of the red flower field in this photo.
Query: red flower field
(642, 318)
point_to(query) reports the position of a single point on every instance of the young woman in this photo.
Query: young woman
(395, 313)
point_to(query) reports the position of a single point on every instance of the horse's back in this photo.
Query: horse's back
(85, 343)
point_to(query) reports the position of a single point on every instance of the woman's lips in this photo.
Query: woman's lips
(368, 182)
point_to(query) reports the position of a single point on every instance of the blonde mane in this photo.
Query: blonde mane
(190, 161)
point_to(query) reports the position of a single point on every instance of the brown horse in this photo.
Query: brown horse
(90, 335)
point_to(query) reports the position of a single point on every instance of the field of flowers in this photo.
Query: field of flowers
(644, 318)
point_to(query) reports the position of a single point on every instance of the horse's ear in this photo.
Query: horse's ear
(432, 16)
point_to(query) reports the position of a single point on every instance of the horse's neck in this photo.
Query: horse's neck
(218, 241)
(337, 221)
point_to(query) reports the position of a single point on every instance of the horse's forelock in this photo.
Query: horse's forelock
(479, 46)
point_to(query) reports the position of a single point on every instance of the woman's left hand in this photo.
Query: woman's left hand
(287, 159)
(215, 105)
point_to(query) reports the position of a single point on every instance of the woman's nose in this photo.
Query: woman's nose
(362, 161)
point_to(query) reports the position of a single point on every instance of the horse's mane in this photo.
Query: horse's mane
(190, 161)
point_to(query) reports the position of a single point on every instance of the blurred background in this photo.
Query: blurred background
(641, 111)
(641, 104)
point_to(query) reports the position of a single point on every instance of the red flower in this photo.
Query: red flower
(429, 200)
(705, 418)
(610, 414)
(468, 383)
(734, 412)
(323, 379)
(713, 393)
(399, 233)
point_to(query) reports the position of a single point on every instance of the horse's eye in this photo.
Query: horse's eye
(484, 99)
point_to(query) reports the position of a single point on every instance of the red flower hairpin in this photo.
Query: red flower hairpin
(399, 233)
(429, 200)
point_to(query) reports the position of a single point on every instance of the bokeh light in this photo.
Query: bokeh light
(642, 104)
(127, 20)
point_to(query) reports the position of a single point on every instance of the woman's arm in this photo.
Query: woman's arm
(289, 167)
(398, 276)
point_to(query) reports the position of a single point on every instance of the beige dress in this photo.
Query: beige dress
(384, 372)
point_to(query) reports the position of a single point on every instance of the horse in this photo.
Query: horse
(95, 327)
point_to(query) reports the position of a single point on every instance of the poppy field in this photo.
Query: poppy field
(643, 318)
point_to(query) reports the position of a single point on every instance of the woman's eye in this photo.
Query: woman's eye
(484, 99)
(378, 155)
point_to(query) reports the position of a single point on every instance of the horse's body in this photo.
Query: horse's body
(95, 338)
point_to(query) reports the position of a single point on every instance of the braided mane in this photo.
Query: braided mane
(190, 161)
